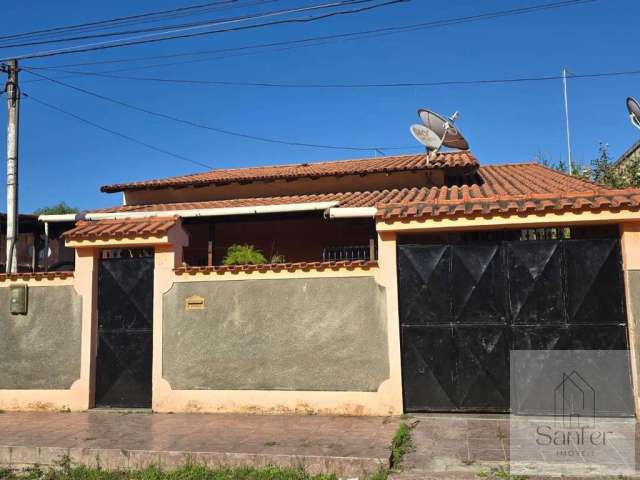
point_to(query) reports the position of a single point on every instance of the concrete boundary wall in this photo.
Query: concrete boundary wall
(41, 349)
(324, 334)
(378, 391)
(382, 396)
(60, 322)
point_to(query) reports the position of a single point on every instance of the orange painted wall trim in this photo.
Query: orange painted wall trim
(529, 220)
(630, 240)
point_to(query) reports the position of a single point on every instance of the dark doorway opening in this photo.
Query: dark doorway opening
(125, 328)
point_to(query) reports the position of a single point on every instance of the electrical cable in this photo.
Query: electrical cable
(164, 29)
(114, 132)
(222, 83)
(126, 43)
(161, 14)
(210, 128)
(321, 40)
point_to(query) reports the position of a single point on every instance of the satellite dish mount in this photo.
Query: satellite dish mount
(447, 128)
(438, 131)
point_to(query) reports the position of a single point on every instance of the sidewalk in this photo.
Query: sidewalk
(347, 446)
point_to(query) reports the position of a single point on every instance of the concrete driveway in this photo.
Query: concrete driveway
(467, 445)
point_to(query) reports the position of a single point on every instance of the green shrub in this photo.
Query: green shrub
(243, 255)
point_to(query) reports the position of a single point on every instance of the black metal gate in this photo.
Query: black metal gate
(125, 329)
(463, 307)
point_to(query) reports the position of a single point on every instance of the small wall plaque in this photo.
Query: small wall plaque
(194, 302)
(18, 302)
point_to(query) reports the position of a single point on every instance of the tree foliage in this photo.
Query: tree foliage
(58, 209)
(601, 170)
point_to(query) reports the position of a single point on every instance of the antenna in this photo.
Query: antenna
(437, 132)
(566, 117)
(634, 111)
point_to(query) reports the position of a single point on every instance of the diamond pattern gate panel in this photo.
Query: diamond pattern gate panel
(588, 313)
(463, 307)
(452, 316)
(125, 328)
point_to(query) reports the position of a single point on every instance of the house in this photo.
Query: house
(406, 281)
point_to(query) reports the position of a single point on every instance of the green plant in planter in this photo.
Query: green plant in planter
(243, 255)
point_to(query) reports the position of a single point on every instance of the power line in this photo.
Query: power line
(114, 132)
(208, 127)
(242, 54)
(164, 29)
(357, 35)
(126, 43)
(345, 85)
(149, 16)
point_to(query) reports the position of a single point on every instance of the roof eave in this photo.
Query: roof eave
(127, 187)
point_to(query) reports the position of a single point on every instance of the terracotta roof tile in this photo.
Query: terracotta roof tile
(35, 276)
(461, 160)
(513, 189)
(503, 189)
(278, 267)
(121, 228)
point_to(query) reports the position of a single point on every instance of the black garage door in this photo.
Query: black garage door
(465, 305)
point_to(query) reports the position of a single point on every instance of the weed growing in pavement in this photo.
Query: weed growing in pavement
(500, 473)
(400, 445)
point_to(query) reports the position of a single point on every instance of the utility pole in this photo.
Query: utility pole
(566, 117)
(13, 118)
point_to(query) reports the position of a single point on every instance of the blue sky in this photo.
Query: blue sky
(64, 160)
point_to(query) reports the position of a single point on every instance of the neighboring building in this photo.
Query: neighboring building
(31, 245)
(29, 235)
(629, 160)
(406, 284)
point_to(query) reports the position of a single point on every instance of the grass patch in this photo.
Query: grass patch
(188, 472)
(400, 445)
(500, 473)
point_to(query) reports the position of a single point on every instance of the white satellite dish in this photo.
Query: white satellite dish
(437, 132)
(443, 127)
(634, 111)
(425, 136)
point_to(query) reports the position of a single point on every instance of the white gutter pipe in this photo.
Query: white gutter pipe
(190, 213)
(354, 212)
(328, 207)
(62, 217)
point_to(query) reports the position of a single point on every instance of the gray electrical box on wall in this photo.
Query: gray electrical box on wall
(19, 300)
